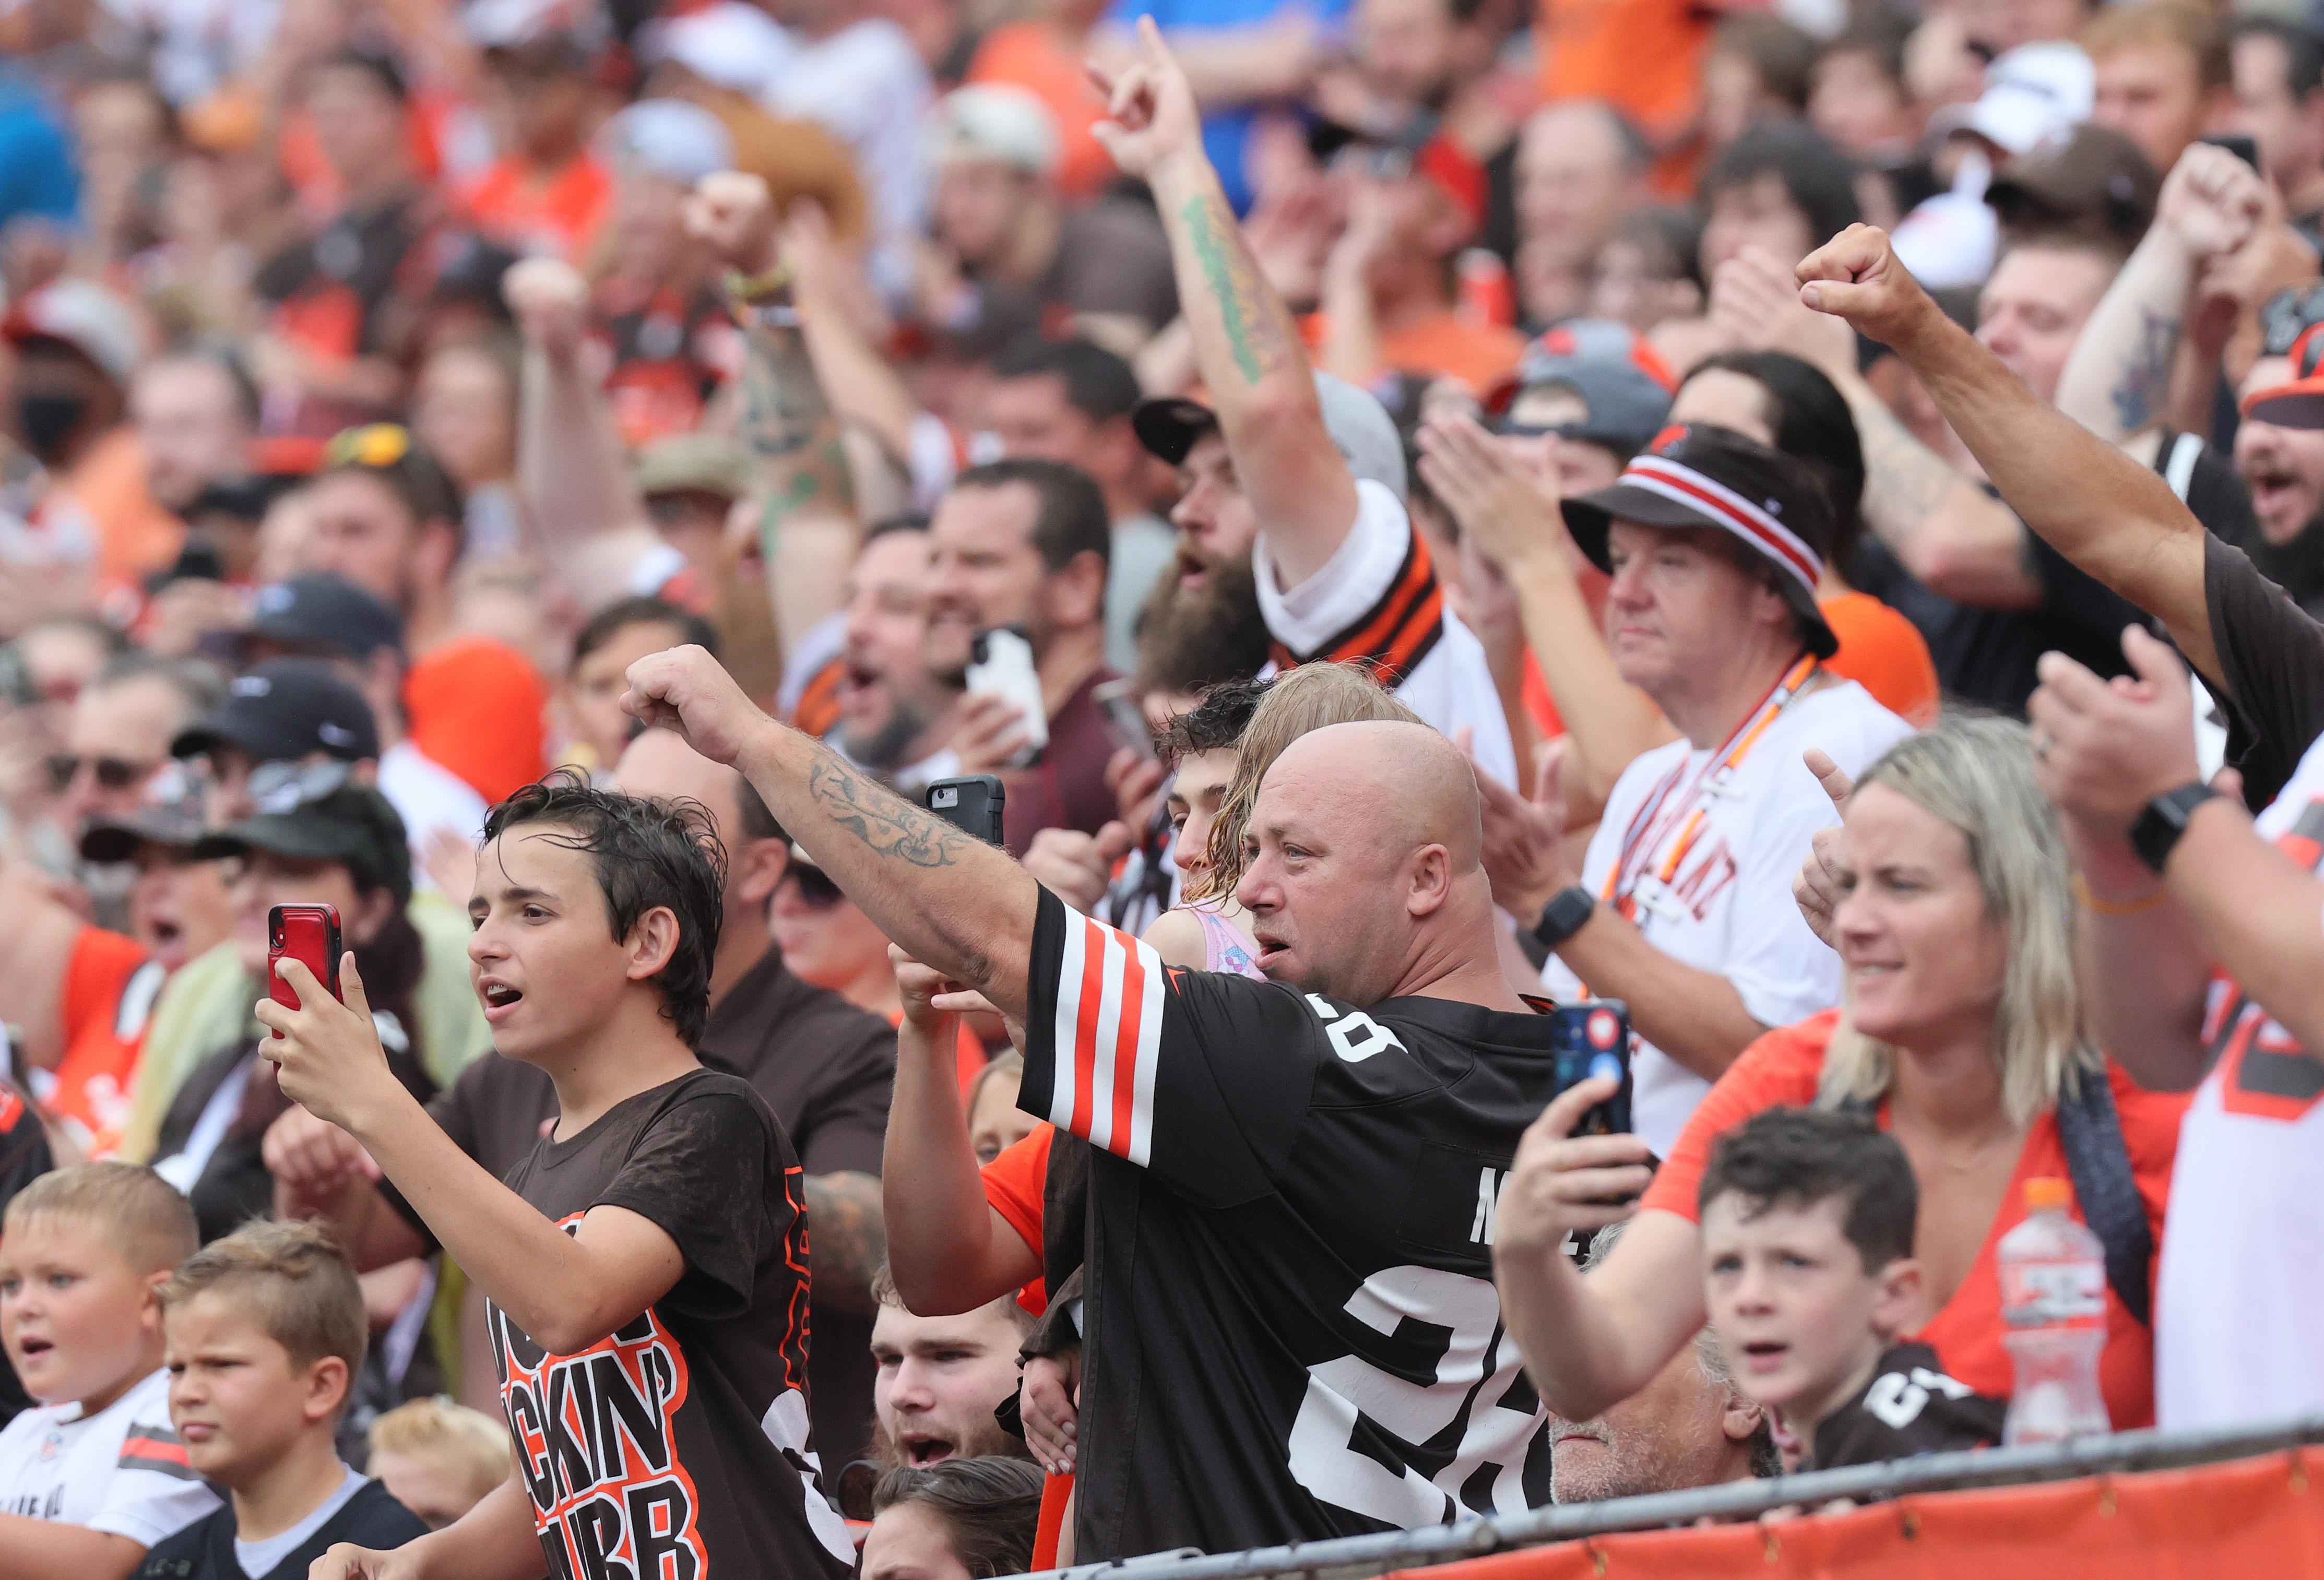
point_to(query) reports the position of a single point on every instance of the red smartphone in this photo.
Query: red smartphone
(307, 933)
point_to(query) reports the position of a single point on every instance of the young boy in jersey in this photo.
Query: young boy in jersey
(1808, 1219)
(95, 1475)
(264, 1330)
(647, 1264)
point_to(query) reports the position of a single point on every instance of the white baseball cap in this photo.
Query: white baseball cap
(994, 123)
(2035, 96)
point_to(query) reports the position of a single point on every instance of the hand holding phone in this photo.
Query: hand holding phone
(1000, 664)
(973, 805)
(309, 934)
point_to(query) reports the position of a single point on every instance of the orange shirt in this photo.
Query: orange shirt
(105, 1007)
(1028, 55)
(1885, 653)
(553, 214)
(476, 707)
(1782, 1068)
(1643, 57)
(1014, 1183)
(1479, 355)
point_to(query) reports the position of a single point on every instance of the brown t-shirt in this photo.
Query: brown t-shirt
(678, 1446)
(2271, 664)
(825, 1066)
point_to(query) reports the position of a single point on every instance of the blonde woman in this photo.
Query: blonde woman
(1962, 1030)
(1222, 749)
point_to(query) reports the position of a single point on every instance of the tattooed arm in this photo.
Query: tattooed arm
(1957, 540)
(957, 903)
(846, 1241)
(1246, 346)
(2117, 382)
(804, 493)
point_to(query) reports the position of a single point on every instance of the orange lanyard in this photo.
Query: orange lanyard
(1665, 811)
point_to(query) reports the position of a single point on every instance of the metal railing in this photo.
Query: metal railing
(1355, 1556)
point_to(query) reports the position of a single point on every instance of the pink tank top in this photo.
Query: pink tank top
(1223, 949)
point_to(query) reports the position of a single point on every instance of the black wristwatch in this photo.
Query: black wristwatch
(2158, 826)
(1564, 915)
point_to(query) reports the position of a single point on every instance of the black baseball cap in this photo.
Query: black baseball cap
(1693, 474)
(325, 615)
(354, 826)
(168, 813)
(283, 710)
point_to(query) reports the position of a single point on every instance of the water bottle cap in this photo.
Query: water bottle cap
(2045, 1191)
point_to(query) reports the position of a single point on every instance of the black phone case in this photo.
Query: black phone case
(972, 804)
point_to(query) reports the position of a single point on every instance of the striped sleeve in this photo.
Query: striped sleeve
(153, 1491)
(1378, 601)
(1204, 1079)
(1106, 1029)
(157, 1449)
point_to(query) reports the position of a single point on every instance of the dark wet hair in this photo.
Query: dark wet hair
(650, 854)
(1802, 1156)
(989, 1507)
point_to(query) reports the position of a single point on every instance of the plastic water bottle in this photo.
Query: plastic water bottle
(2052, 1274)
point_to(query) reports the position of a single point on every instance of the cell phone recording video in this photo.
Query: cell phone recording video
(309, 934)
(972, 804)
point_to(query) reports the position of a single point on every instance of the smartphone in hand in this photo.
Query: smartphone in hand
(972, 804)
(1000, 664)
(306, 933)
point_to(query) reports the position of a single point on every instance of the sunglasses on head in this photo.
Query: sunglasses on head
(113, 773)
(375, 444)
(285, 786)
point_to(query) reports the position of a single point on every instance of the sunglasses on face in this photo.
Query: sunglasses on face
(113, 773)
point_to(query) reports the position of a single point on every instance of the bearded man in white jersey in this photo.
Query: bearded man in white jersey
(1682, 905)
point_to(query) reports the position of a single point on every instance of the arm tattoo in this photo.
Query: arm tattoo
(792, 432)
(1904, 484)
(881, 818)
(1252, 317)
(847, 1240)
(2146, 379)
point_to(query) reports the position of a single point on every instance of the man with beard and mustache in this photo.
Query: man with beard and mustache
(941, 1378)
(1365, 591)
(2280, 456)
(895, 715)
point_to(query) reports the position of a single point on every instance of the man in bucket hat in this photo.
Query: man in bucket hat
(1682, 905)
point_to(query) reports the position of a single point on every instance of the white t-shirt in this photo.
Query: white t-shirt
(867, 84)
(1727, 907)
(430, 799)
(261, 1559)
(122, 1471)
(2242, 1273)
(1378, 598)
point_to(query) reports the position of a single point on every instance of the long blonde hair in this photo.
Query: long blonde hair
(1300, 701)
(1976, 774)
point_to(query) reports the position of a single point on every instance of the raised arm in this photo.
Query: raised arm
(569, 470)
(2112, 517)
(2117, 381)
(1590, 1342)
(1957, 540)
(948, 1250)
(1246, 346)
(957, 904)
(805, 492)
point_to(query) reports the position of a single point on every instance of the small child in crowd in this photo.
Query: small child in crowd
(265, 1329)
(1808, 1219)
(438, 1459)
(95, 1475)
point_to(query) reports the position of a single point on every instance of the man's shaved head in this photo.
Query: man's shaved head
(1369, 840)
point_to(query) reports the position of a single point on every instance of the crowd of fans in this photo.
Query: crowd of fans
(1781, 538)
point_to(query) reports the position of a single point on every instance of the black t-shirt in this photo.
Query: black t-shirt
(1910, 1407)
(2271, 667)
(825, 1066)
(1988, 656)
(337, 285)
(678, 1445)
(1294, 1329)
(204, 1550)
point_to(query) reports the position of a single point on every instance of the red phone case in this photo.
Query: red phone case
(307, 933)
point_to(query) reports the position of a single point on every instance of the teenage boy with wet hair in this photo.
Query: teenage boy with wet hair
(645, 1265)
